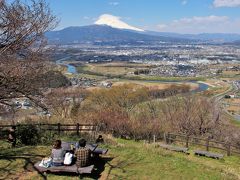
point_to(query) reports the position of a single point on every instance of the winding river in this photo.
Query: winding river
(70, 68)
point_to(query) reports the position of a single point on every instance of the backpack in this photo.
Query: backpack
(68, 158)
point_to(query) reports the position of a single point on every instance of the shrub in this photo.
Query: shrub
(47, 137)
(28, 134)
(4, 134)
(31, 134)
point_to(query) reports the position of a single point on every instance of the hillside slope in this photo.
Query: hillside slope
(125, 160)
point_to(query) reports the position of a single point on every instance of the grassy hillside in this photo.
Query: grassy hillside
(125, 160)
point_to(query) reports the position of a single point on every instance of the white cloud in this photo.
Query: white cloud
(114, 3)
(201, 24)
(201, 20)
(226, 3)
(184, 2)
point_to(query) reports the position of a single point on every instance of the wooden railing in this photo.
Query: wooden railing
(169, 138)
(207, 143)
(59, 127)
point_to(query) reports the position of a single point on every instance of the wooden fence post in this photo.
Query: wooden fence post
(95, 131)
(187, 141)
(228, 150)
(168, 137)
(59, 128)
(164, 137)
(154, 139)
(77, 129)
(207, 144)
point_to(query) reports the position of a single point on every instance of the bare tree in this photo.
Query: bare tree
(64, 103)
(192, 115)
(22, 25)
(22, 28)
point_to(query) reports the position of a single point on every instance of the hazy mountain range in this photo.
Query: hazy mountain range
(208, 37)
(106, 34)
(110, 29)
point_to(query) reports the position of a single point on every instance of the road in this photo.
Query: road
(219, 97)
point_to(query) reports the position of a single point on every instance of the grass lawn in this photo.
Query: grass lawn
(125, 160)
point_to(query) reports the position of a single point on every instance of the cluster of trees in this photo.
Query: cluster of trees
(132, 111)
(171, 91)
(125, 111)
(65, 103)
(142, 71)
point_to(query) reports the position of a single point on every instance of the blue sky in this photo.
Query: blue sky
(182, 16)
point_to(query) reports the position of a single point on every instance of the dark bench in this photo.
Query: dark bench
(66, 169)
(100, 151)
(174, 148)
(208, 154)
(93, 147)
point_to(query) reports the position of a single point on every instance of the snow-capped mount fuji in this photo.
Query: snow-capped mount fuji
(108, 29)
(111, 30)
(104, 35)
(115, 22)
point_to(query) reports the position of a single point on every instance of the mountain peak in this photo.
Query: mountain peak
(115, 22)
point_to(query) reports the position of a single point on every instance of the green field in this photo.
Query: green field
(125, 160)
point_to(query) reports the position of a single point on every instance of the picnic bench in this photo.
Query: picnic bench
(72, 168)
(208, 154)
(68, 169)
(175, 148)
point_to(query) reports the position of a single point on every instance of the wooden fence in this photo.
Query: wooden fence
(207, 144)
(78, 128)
(169, 138)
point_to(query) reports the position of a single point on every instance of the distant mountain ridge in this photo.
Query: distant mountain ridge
(207, 37)
(104, 33)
